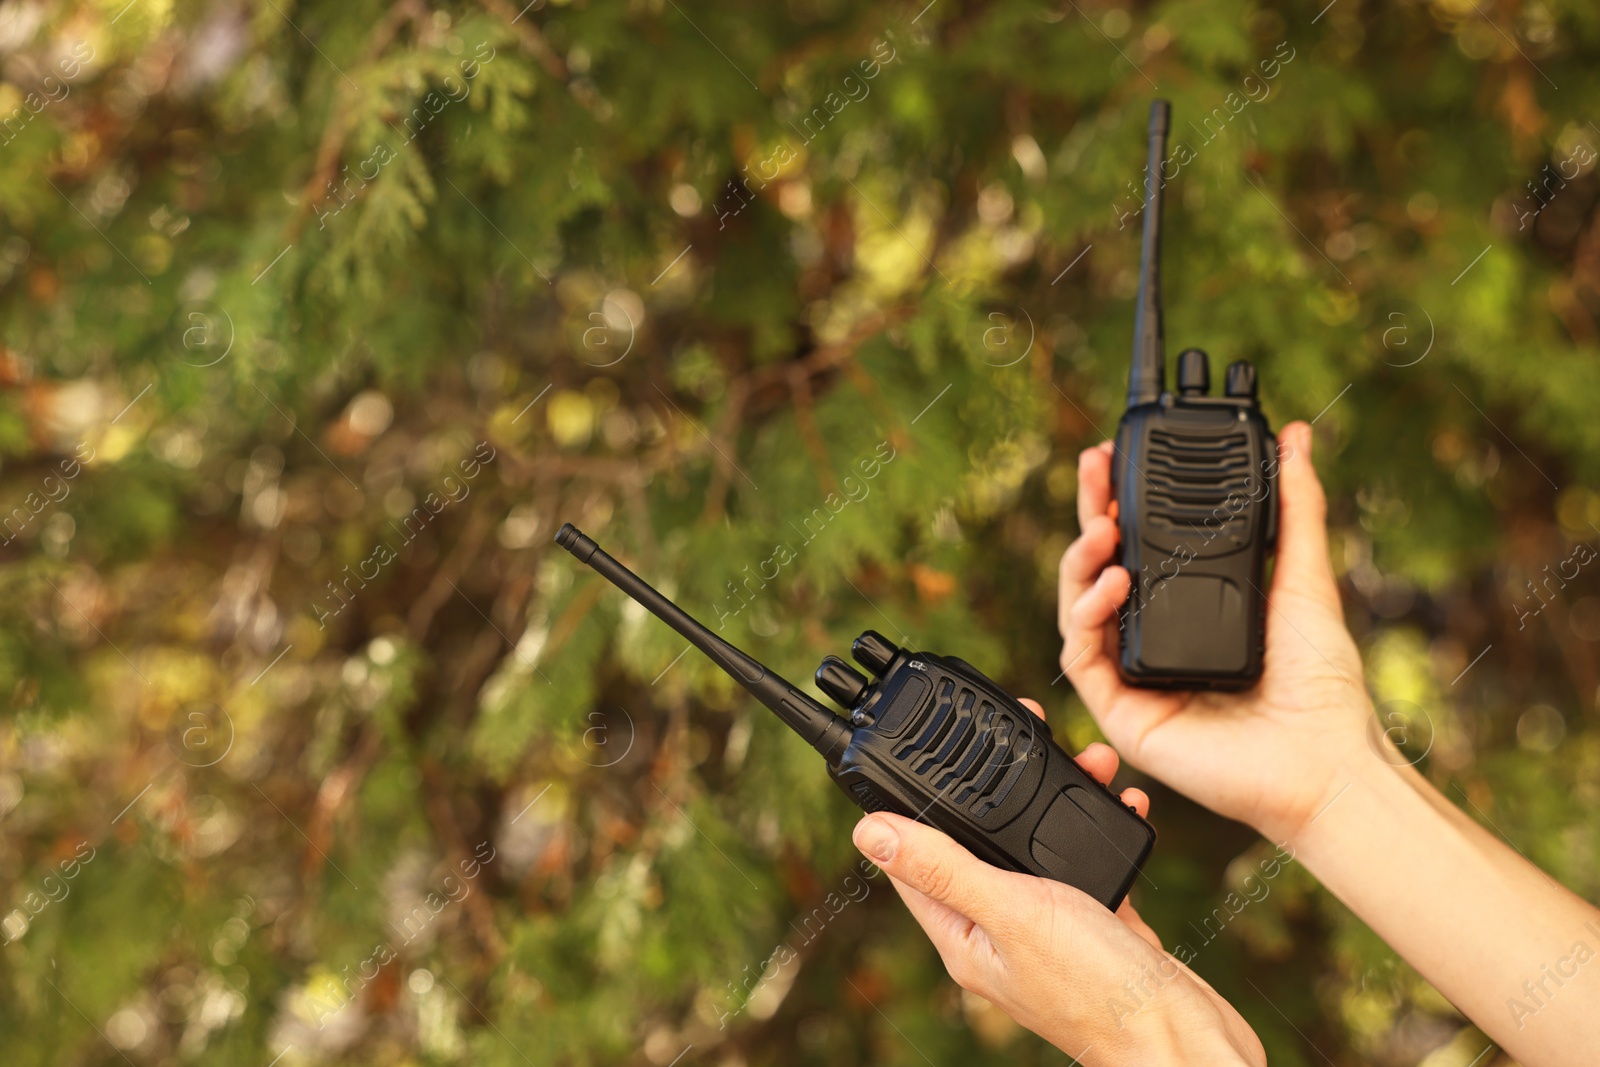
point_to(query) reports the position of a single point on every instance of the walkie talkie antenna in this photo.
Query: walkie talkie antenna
(821, 728)
(1147, 376)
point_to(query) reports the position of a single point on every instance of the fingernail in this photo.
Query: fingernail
(876, 839)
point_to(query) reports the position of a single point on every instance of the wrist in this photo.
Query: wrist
(1362, 786)
(1319, 765)
(1180, 1029)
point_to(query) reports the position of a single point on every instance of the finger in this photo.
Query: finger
(931, 863)
(1082, 564)
(963, 946)
(1094, 483)
(1032, 705)
(1100, 761)
(1083, 655)
(947, 928)
(1138, 800)
(1302, 520)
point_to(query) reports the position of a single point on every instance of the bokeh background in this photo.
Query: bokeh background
(320, 318)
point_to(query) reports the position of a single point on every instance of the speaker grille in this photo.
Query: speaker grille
(968, 751)
(1190, 477)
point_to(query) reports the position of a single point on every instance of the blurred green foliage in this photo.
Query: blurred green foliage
(281, 274)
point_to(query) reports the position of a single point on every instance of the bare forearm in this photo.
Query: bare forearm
(1494, 850)
(1505, 943)
(1491, 846)
(1175, 1032)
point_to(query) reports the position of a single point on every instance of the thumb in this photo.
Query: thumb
(928, 861)
(1302, 564)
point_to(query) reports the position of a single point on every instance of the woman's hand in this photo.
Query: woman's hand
(1475, 919)
(1096, 985)
(1268, 757)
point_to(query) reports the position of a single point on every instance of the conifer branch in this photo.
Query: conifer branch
(532, 40)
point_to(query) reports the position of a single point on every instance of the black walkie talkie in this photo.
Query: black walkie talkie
(1195, 478)
(935, 740)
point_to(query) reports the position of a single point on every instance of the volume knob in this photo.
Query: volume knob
(1241, 380)
(874, 651)
(841, 681)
